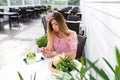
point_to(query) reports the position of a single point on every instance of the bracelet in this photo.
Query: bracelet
(63, 53)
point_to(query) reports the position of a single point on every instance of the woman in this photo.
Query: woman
(61, 40)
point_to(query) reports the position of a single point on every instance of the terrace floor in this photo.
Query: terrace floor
(17, 42)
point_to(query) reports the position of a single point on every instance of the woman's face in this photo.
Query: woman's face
(55, 25)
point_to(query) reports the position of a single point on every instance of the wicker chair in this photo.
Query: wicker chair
(73, 18)
(44, 24)
(80, 46)
(73, 26)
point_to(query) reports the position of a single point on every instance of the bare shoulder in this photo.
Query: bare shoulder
(73, 33)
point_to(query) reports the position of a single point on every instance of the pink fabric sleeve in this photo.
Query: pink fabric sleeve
(73, 41)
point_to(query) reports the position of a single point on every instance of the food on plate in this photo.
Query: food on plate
(62, 63)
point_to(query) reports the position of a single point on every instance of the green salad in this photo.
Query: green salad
(65, 64)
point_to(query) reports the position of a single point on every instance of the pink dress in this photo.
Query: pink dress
(61, 45)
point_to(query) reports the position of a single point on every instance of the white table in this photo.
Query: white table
(9, 14)
(9, 72)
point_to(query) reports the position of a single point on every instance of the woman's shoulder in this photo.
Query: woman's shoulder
(73, 34)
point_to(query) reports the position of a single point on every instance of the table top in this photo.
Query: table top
(8, 13)
(9, 72)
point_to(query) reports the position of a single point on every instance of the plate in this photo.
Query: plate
(52, 69)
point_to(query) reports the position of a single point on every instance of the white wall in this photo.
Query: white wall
(102, 25)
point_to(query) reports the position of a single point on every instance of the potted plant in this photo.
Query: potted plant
(41, 42)
(102, 73)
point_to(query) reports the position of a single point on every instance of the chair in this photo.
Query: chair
(25, 14)
(1, 17)
(73, 18)
(43, 9)
(36, 12)
(80, 46)
(44, 24)
(16, 17)
(73, 25)
(30, 12)
(80, 16)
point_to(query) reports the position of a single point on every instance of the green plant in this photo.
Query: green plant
(31, 77)
(42, 41)
(63, 62)
(102, 73)
(81, 72)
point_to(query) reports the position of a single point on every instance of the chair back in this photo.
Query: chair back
(1, 17)
(73, 26)
(44, 24)
(73, 18)
(23, 12)
(1, 10)
(80, 46)
(14, 10)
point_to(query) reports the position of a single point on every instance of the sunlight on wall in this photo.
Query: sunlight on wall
(102, 20)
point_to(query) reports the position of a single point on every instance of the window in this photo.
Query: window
(28, 2)
(46, 1)
(16, 2)
(73, 2)
(59, 2)
(36, 1)
(3, 3)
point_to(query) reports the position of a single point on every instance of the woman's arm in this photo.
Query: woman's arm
(49, 53)
(71, 54)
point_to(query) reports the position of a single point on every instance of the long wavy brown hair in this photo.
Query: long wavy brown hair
(64, 31)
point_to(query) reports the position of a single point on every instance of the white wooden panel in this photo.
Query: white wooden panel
(102, 23)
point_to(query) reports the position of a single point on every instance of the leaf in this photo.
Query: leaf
(118, 56)
(117, 73)
(91, 77)
(35, 76)
(109, 65)
(82, 73)
(66, 70)
(83, 68)
(82, 61)
(42, 41)
(72, 67)
(20, 76)
(99, 71)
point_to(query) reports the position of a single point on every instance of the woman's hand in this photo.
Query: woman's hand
(47, 52)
